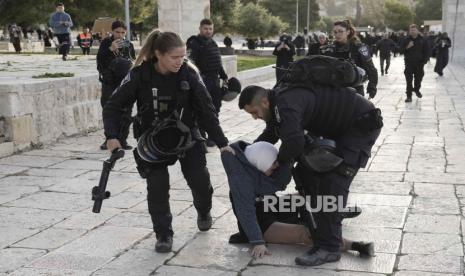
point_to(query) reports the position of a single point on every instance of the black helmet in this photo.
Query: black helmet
(233, 89)
(169, 139)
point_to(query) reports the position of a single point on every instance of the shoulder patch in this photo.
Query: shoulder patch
(364, 51)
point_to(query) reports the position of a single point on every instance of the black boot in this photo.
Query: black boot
(164, 243)
(419, 95)
(364, 248)
(238, 238)
(204, 221)
(317, 256)
(126, 146)
(103, 146)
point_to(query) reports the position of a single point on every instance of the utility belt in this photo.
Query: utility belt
(369, 121)
(320, 156)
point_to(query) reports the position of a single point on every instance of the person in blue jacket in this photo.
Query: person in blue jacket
(61, 24)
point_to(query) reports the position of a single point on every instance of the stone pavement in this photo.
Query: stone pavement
(412, 195)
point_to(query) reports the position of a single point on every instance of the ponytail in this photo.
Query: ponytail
(158, 41)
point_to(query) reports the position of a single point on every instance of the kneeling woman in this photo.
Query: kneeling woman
(252, 173)
(165, 86)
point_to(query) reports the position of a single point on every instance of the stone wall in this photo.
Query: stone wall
(453, 18)
(39, 111)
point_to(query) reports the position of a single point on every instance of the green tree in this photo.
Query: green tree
(428, 10)
(286, 9)
(255, 21)
(223, 13)
(144, 14)
(397, 16)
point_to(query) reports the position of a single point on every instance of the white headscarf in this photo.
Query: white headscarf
(261, 155)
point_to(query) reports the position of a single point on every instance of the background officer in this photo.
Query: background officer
(385, 46)
(114, 59)
(284, 52)
(161, 83)
(85, 41)
(442, 45)
(416, 54)
(315, 48)
(287, 115)
(205, 54)
(348, 46)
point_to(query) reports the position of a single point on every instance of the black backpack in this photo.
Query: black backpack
(323, 70)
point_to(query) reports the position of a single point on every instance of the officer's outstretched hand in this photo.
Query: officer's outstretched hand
(371, 93)
(113, 144)
(227, 149)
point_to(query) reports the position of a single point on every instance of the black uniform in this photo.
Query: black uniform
(415, 59)
(441, 47)
(106, 65)
(385, 46)
(331, 113)
(283, 57)
(315, 48)
(205, 54)
(360, 54)
(198, 109)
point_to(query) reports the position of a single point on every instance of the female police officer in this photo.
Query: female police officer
(165, 85)
(348, 46)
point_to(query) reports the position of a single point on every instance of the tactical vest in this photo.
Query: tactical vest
(333, 112)
(209, 61)
(85, 39)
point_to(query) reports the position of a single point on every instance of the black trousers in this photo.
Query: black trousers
(85, 50)
(213, 86)
(193, 167)
(17, 44)
(388, 63)
(413, 76)
(63, 39)
(442, 59)
(126, 119)
(355, 148)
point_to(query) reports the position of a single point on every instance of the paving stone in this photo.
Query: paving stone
(434, 190)
(297, 271)
(380, 176)
(63, 173)
(446, 178)
(27, 271)
(7, 169)
(139, 220)
(50, 238)
(172, 270)
(10, 193)
(134, 262)
(28, 161)
(125, 200)
(380, 216)
(91, 165)
(69, 261)
(54, 201)
(423, 243)
(211, 250)
(105, 241)
(88, 220)
(431, 263)
(435, 205)
(381, 200)
(386, 240)
(385, 188)
(421, 273)
(12, 234)
(13, 258)
(445, 224)
(30, 218)
(42, 182)
(284, 255)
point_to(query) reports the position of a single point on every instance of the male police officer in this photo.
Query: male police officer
(416, 54)
(114, 59)
(339, 114)
(385, 46)
(205, 54)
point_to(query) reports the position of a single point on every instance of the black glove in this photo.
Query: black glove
(371, 92)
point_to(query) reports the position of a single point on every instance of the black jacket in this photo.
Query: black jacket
(324, 111)
(315, 48)
(137, 87)
(284, 56)
(418, 53)
(206, 55)
(105, 57)
(385, 46)
(359, 53)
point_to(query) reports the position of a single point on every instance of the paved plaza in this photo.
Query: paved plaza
(412, 194)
